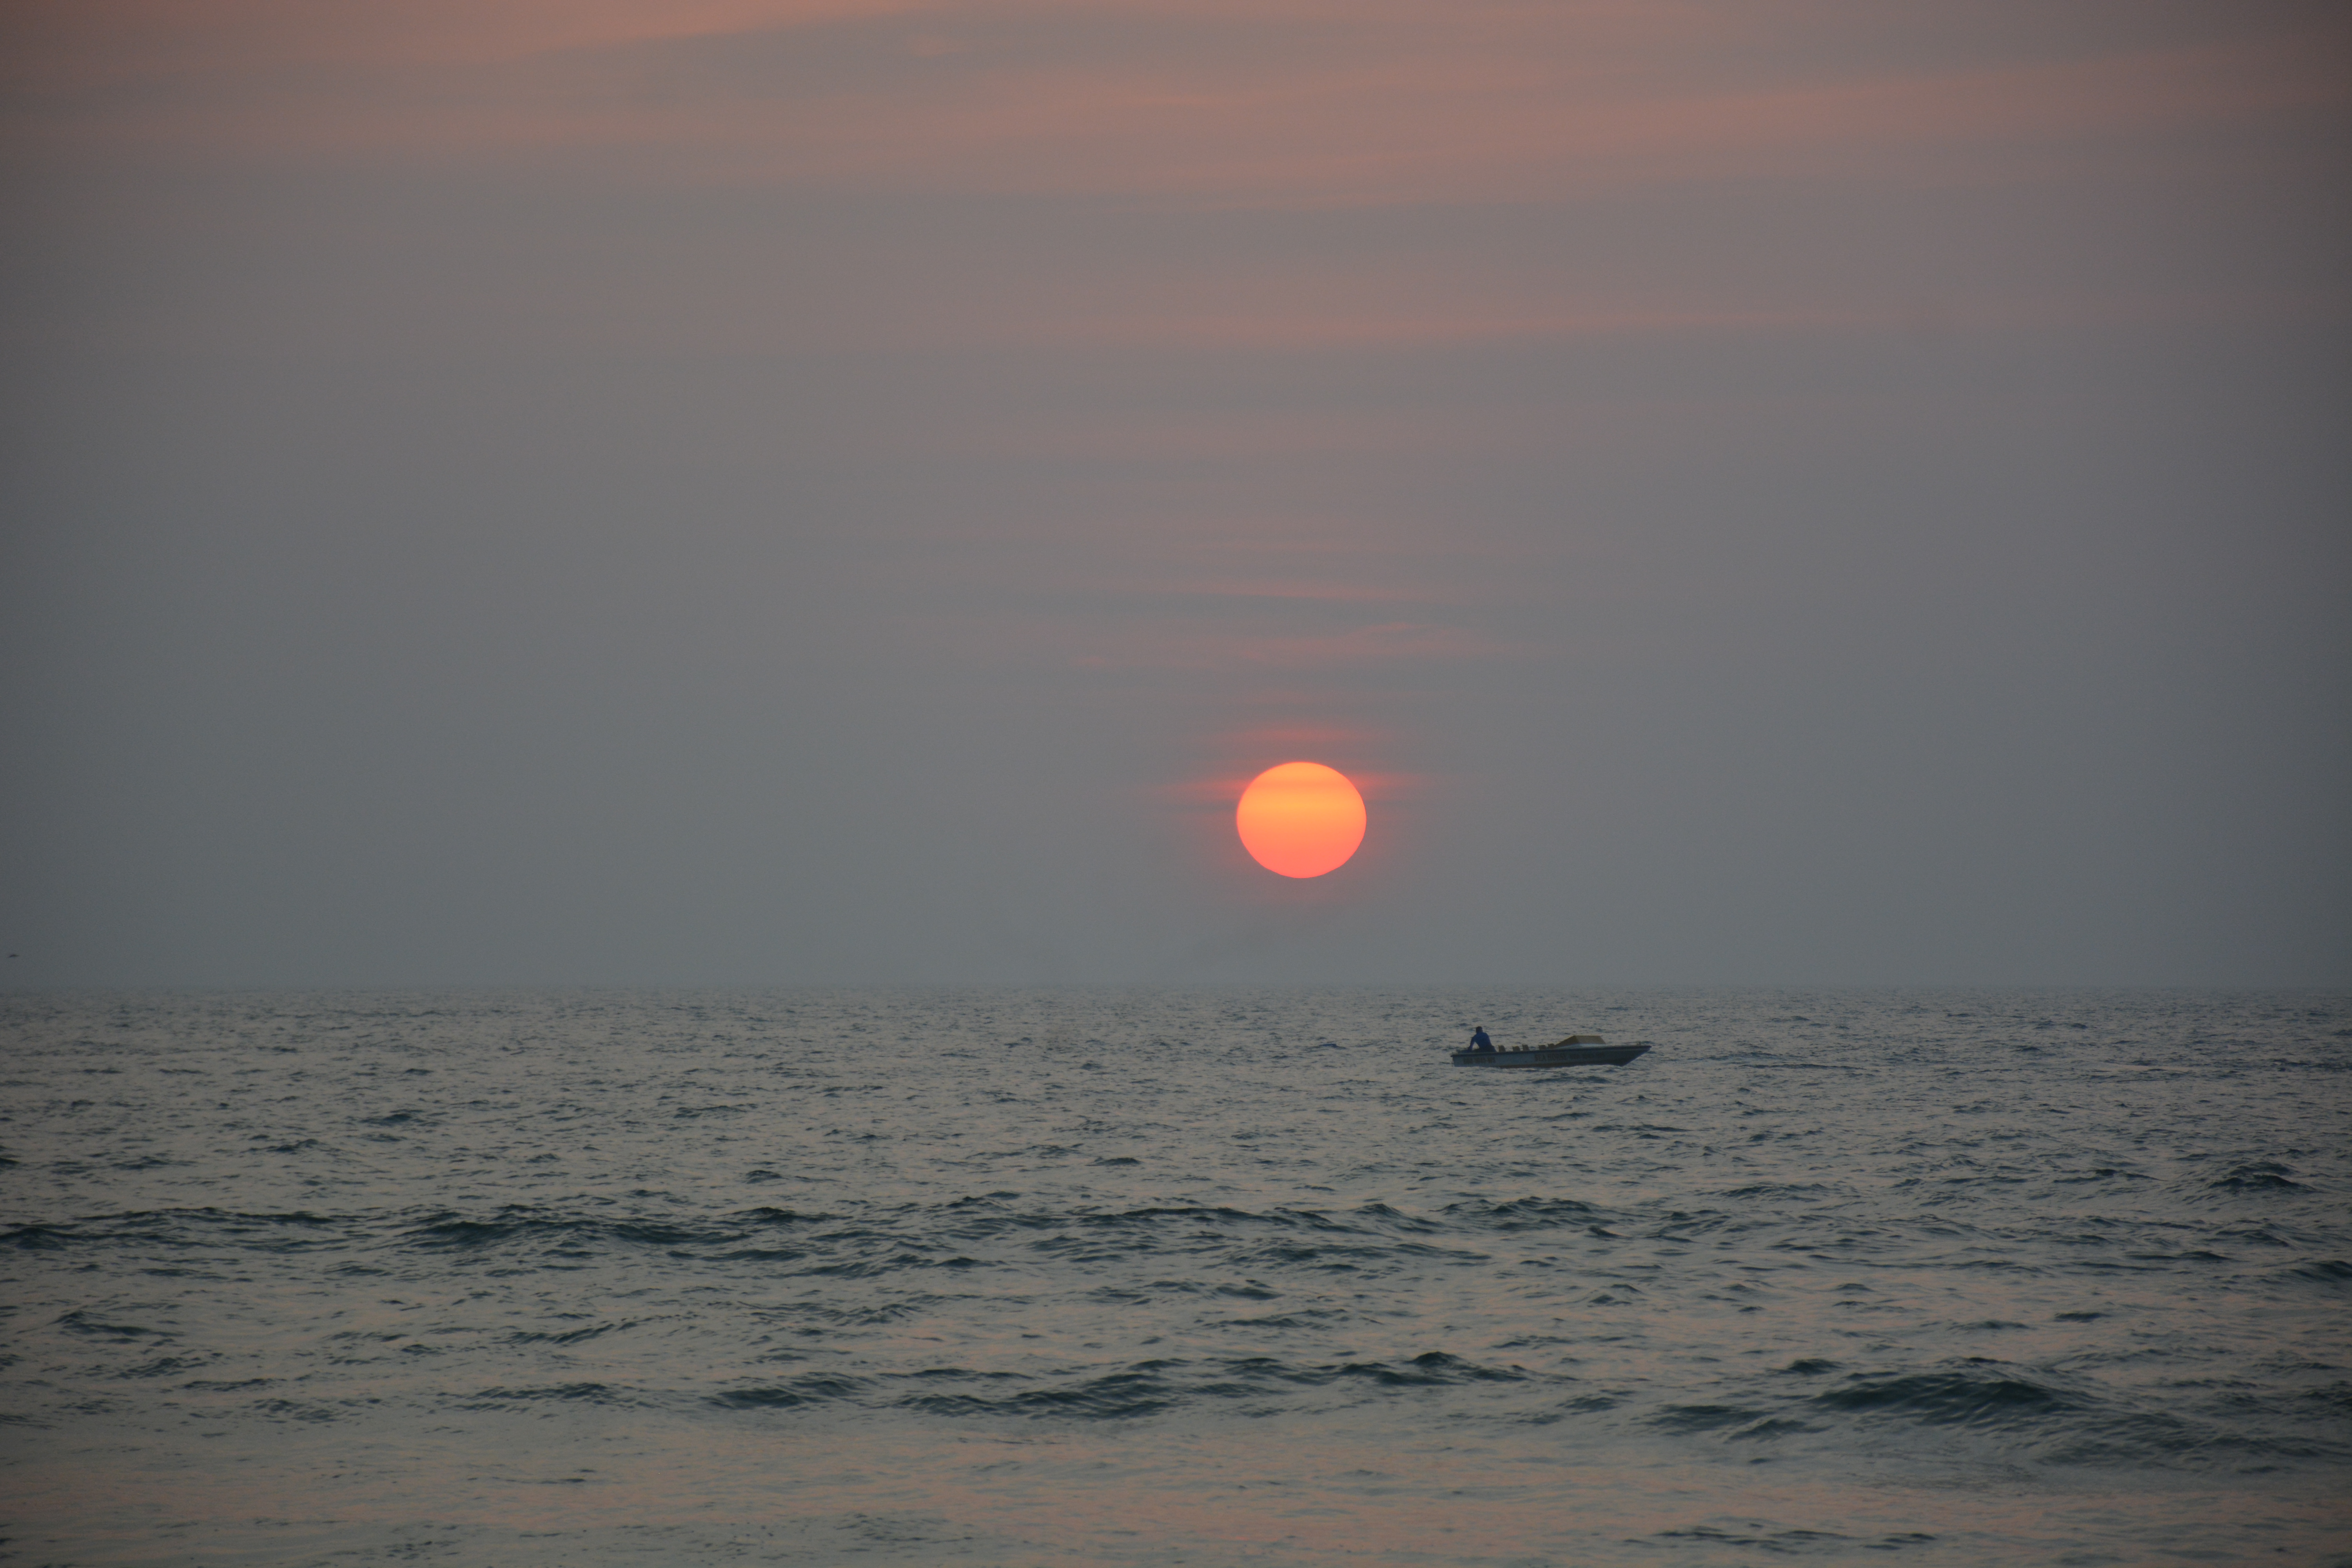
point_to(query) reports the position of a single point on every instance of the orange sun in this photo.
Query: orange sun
(1301, 819)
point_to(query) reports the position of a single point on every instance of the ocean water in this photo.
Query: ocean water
(1174, 1277)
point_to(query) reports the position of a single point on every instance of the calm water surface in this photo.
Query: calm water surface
(1174, 1277)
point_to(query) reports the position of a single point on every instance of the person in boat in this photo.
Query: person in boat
(1478, 1040)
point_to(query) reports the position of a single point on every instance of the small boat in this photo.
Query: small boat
(1575, 1051)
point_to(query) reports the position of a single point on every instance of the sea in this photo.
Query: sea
(1174, 1277)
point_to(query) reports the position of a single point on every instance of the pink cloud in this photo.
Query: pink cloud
(1158, 103)
(1286, 102)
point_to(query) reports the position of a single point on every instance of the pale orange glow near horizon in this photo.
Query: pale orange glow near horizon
(1301, 819)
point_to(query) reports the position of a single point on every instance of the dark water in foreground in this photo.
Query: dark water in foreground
(1175, 1277)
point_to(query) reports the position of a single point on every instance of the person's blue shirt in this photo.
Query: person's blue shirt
(1478, 1040)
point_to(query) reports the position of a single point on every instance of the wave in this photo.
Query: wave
(2260, 1176)
(1138, 1391)
(1143, 1388)
(1788, 1541)
(447, 1231)
(1962, 1397)
(36, 1238)
(293, 1410)
(596, 1394)
(172, 1226)
(572, 1336)
(89, 1324)
(1522, 1214)
(815, 1389)
(2056, 1421)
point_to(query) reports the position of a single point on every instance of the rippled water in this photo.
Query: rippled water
(1175, 1277)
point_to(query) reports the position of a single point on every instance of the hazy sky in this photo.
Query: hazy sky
(549, 491)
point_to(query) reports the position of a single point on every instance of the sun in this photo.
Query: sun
(1301, 819)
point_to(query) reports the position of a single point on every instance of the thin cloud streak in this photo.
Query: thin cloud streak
(1205, 646)
(1222, 791)
(1294, 105)
(1170, 589)
(1307, 329)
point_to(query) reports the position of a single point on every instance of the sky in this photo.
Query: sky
(722, 492)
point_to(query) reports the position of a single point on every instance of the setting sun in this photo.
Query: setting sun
(1301, 819)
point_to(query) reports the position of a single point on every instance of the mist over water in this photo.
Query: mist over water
(1175, 1276)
